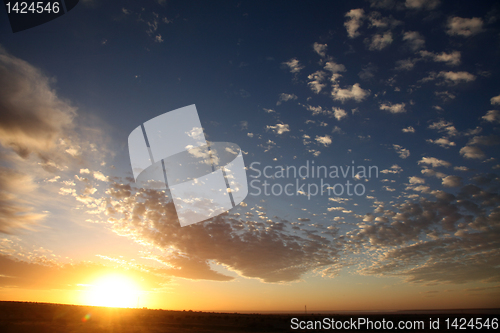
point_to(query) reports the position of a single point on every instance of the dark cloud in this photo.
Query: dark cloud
(32, 116)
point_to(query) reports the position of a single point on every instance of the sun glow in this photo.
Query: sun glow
(113, 291)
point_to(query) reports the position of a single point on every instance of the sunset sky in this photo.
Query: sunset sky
(410, 88)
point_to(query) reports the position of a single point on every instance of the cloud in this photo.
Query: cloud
(339, 113)
(451, 59)
(434, 162)
(279, 128)
(408, 129)
(416, 180)
(414, 39)
(282, 257)
(456, 77)
(315, 81)
(355, 21)
(285, 98)
(472, 152)
(444, 126)
(334, 67)
(353, 92)
(490, 140)
(325, 140)
(393, 108)
(33, 117)
(15, 213)
(495, 100)
(422, 4)
(452, 181)
(443, 142)
(458, 26)
(380, 41)
(492, 116)
(402, 152)
(320, 49)
(293, 65)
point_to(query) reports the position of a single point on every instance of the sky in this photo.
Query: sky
(394, 105)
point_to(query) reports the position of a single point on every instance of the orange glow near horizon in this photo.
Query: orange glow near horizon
(113, 291)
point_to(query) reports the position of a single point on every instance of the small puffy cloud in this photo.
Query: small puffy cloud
(451, 59)
(405, 64)
(316, 81)
(393, 108)
(456, 77)
(493, 116)
(285, 98)
(355, 21)
(353, 92)
(279, 128)
(443, 142)
(393, 169)
(416, 180)
(100, 176)
(325, 140)
(422, 4)
(320, 49)
(334, 67)
(444, 126)
(484, 140)
(402, 152)
(452, 181)
(158, 39)
(380, 41)
(339, 113)
(472, 152)
(434, 162)
(414, 39)
(293, 65)
(495, 100)
(458, 26)
(408, 129)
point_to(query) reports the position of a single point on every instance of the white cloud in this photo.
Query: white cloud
(472, 152)
(456, 77)
(408, 129)
(443, 142)
(285, 98)
(451, 59)
(353, 92)
(492, 116)
(355, 21)
(320, 49)
(393, 108)
(325, 140)
(100, 176)
(334, 67)
(294, 65)
(414, 39)
(416, 180)
(406, 64)
(394, 169)
(339, 113)
(464, 26)
(315, 81)
(444, 126)
(402, 152)
(495, 100)
(380, 41)
(434, 162)
(422, 4)
(279, 128)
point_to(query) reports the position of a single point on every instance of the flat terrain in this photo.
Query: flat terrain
(55, 318)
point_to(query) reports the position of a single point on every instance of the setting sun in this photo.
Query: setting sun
(114, 291)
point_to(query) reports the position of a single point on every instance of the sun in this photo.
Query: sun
(113, 291)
